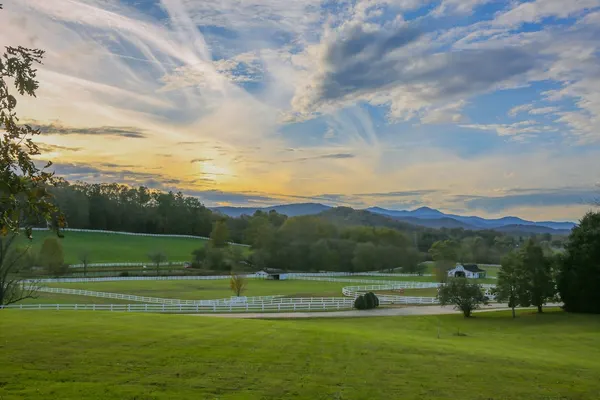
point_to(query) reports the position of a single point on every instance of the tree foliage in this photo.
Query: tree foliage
(464, 295)
(511, 286)
(24, 196)
(579, 269)
(157, 257)
(537, 275)
(52, 257)
(238, 284)
(219, 237)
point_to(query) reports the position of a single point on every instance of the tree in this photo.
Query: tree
(579, 268)
(238, 284)
(85, 258)
(52, 256)
(24, 197)
(463, 295)
(157, 257)
(366, 258)
(510, 286)
(537, 276)
(445, 255)
(13, 288)
(219, 237)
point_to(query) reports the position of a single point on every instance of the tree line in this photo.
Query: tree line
(529, 276)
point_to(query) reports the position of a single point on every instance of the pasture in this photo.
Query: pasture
(214, 289)
(102, 355)
(113, 248)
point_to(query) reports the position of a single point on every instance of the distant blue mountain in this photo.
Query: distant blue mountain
(474, 222)
(423, 216)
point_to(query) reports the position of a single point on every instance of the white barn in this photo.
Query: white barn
(467, 271)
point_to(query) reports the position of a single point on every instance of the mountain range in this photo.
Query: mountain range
(423, 216)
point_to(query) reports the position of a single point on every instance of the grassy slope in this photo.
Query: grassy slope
(109, 248)
(86, 355)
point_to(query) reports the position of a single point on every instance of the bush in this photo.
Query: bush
(375, 299)
(369, 302)
(124, 273)
(366, 301)
(360, 303)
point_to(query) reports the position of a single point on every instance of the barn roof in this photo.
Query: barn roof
(472, 268)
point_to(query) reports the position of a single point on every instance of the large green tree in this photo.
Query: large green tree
(537, 276)
(464, 295)
(24, 196)
(511, 285)
(579, 269)
(219, 237)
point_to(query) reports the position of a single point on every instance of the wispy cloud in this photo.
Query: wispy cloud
(58, 129)
(442, 97)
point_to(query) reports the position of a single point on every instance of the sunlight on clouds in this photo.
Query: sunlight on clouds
(300, 99)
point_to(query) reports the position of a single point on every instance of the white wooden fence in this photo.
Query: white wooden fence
(192, 308)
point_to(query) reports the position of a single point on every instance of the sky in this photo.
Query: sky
(475, 107)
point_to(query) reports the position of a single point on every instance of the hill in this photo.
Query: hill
(104, 355)
(291, 210)
(112, 248)
(346, 216)
(423, 216)
(471, 222)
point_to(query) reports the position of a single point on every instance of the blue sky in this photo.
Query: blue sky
(483, 107)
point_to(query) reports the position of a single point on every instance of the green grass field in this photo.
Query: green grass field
(111, 248)
(205, 290)
(102, 355)
(211, 289)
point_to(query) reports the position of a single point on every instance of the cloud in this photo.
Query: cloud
(51, 148)
(449, 113)
(59, 129)
(527, 127)
(543, 110)
(376, 64)
(404, 193)
(513, 112)
(538, 10)
(463, 7)
(532, 197)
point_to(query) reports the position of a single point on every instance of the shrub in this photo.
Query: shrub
(366, 301)
(360, 303)
(374, 298)
(124, 273)
(369, 302)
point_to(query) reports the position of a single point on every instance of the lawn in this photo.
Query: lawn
(212, 289)
(55, 298)
(103, 355)
(111, 248)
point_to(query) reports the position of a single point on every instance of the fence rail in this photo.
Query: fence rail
(286, 305)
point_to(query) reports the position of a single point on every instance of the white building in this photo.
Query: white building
(467, 270)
